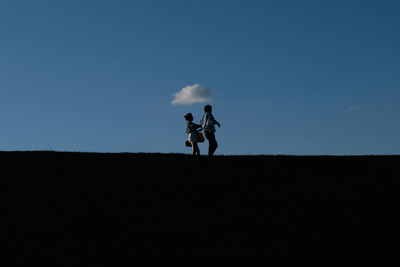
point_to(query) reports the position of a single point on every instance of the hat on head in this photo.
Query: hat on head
(188, 116)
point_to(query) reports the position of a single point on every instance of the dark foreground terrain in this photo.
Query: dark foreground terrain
(99, 209)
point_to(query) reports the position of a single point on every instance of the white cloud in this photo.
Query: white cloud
(192, 94)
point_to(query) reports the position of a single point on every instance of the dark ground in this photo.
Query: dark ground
(100, 209)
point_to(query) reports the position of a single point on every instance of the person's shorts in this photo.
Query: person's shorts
(192, 137)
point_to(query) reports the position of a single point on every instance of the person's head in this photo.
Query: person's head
(207, 108)
(188, 117)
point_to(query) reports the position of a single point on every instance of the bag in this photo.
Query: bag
(200, 137)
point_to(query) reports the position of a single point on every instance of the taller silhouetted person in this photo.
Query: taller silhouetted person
(208, 123)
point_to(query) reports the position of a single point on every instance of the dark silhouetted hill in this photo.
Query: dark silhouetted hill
(125, 209)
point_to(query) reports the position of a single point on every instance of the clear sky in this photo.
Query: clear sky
(307, 77)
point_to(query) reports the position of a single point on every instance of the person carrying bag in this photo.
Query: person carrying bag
(193, 134)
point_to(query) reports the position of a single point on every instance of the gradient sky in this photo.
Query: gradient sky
(307, 77)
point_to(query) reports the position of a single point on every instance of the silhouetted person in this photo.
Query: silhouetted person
(208, 124)
(191, 130)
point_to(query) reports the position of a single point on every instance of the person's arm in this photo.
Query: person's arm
(203, 121)
(214, 120)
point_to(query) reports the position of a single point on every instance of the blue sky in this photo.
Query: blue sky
(286, 77)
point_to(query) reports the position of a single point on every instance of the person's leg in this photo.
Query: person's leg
(213, 146)
(212, 143)
(197, 152)
(195, 148)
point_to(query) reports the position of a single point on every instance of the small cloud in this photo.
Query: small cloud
(192, 94)
(353, 108)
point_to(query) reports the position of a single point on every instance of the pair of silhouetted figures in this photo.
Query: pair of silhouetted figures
(207, 124)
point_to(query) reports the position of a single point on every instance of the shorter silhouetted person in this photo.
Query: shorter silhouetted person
(191, 131)
(208, 123)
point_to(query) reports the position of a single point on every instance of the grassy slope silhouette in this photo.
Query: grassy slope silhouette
(125, 209)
